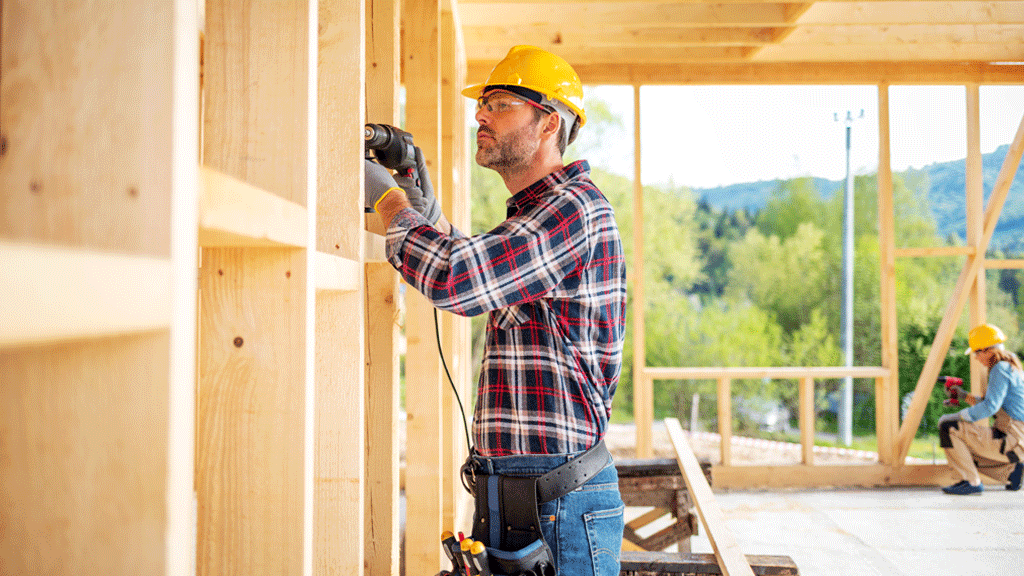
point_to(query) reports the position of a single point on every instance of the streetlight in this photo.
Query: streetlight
(846, 406)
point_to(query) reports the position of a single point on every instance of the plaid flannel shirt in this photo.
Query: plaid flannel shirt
(553, 278)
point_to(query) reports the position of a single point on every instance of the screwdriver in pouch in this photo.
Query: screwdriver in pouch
(478, 559)
(451, 550)
(465, 546)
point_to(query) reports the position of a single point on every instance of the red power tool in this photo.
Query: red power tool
(954, 390)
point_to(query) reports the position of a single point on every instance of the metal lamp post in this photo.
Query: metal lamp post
(846, 406)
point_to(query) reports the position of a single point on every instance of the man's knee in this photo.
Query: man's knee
(947, 423)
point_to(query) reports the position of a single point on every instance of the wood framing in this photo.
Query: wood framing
(643, 399)
(98, 183)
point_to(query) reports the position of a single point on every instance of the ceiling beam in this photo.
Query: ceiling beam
(597, 15)
(825, 73)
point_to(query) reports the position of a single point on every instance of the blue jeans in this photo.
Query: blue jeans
(584, 527)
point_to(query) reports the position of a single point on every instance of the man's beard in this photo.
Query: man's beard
(508, 152)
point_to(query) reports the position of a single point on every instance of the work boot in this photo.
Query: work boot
(1015, 477)
(963, 488)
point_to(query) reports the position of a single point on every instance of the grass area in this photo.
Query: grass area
(926, 447)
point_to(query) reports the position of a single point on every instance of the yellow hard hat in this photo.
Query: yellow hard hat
(983, 336)
(538, 70)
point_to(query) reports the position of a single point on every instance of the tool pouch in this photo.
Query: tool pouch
(506, 520)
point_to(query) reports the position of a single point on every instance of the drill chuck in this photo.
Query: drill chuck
(390, 146)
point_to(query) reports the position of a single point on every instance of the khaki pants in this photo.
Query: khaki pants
(975, 450)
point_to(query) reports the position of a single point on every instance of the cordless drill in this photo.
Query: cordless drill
(392, 148)
(953, 390)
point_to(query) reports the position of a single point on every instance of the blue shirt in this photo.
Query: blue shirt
(1005, 390)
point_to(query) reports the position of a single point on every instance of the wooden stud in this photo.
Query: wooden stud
(725, 419)
(255, 452)
(888, 398)
(974, 210)
(807, 426)
(643, 396)
(381, 539)
(421, 55)
(338, 436)
(98, 179)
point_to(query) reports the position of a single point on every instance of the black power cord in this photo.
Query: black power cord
(465, 426)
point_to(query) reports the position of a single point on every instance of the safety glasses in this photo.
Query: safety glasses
(498, 102)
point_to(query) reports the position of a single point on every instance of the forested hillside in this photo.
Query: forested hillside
(945, 193)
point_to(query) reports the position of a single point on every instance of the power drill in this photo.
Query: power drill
(390, 147)
(953, 389)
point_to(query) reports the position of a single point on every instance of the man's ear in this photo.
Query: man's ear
(551, 124)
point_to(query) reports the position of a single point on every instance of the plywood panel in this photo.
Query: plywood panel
(84, 452)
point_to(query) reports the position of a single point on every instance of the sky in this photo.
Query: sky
(706, 136)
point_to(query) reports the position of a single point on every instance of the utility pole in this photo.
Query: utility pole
(846, 406)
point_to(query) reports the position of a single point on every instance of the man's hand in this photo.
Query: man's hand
(421, 197)
(378, 183)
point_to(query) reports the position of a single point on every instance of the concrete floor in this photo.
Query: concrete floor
(895, 532)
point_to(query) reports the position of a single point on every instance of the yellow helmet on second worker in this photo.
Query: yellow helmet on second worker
(542, 72)
(983, 336)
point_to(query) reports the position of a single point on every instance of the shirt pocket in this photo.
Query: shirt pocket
(510, 317)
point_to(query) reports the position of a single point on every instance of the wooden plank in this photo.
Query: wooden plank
(727, 552)
(807, 426)
(725, 419)
(885, 421)
(974, 204)
(887, 282)
(912, 52)
(382, 412)
(61, 294)
(381, 504)
(340, 441)
(421, 55)
(336, 274)
(778, 73)
(911, 12)
(826, 476)
(926, 252)
(642, 563)
(235, 213)
(998, 264)
(755, 372)
(251, 411)
(255, 451)
(599, 14)
(643, 395)
(944, 334)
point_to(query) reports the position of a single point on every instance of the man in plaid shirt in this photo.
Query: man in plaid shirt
(552, 277)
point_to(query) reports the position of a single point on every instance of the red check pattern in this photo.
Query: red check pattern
(553, 278)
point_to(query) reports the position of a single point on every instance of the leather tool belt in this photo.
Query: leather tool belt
(507, 517)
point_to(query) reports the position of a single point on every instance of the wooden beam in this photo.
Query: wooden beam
(601, 14)
(1004, 264)
(643, 396)
(912, 52)
(974, 202)
(753, 372)
(807, 425)
(826, 476)
(254, 450)
(926, 252)
(771, 73)
(727, 551)
(725, 419)
(103, 294)
(421, 57)
(383, 397)
(933, 13)
(944, 335)
(887, 421)
(235, 213)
